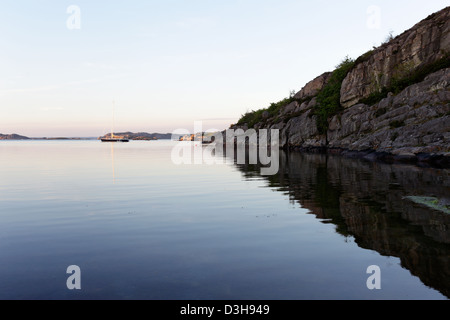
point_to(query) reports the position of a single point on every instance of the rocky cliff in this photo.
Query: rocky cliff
(422, 45)
(392, 102)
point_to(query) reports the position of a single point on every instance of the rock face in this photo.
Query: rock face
(425, 43)
(302, 131)
(416, 120)
(313, 87)
(411, 125)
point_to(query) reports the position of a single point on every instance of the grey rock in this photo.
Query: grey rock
(425, 43)
(313, 87)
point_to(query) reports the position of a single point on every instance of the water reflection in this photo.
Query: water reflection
(112, 164)
(367, 201)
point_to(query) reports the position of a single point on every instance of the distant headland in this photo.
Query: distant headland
(139, 136)
(126, 135)
(13, 137)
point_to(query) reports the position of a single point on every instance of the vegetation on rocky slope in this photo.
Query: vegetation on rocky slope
(255, 116)
(392, 100)
(328, 99)
(406, 78)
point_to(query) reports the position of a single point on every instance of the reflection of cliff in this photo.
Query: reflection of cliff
(366, 200)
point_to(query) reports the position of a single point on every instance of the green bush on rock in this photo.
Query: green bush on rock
(328, 99)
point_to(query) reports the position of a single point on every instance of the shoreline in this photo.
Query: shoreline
(422, 159)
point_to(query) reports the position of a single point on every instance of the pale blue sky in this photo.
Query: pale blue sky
(170, 63)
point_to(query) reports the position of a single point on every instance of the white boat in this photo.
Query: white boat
(112, 138)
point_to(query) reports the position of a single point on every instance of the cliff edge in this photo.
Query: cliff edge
(390, 103)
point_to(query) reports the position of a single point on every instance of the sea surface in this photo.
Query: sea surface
(139, 226)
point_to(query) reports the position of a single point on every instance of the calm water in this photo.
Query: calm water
(140, 227)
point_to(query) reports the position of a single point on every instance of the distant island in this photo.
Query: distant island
(125, 135)
(139, 136)
(20, 137)
(13, 137)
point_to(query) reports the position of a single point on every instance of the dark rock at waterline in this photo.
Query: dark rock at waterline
(421, 159)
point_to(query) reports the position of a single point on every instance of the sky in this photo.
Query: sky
(67, 66)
